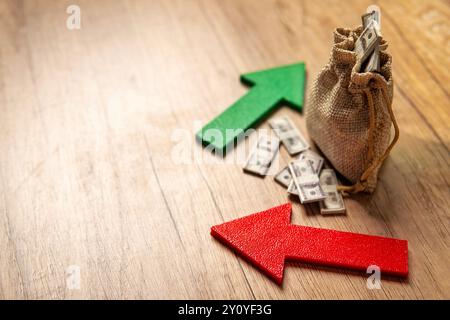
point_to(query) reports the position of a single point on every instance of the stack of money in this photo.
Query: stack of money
(314, 160)
(303, 176)
(291, 138)
(367, 46)
(306, 181)
(333, 203)
(262, 155)
(266, 147)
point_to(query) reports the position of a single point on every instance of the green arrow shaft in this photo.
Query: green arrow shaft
(245, 113)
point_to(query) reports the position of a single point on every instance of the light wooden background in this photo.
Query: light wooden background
(87, 122)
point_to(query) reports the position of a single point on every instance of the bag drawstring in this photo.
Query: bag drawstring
(361, 185)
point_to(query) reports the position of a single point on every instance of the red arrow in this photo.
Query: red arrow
(267, 239)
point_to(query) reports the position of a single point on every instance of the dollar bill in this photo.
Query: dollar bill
(367, 42)
(292, 189)
(366, 18)
(284, 177)
(310, 190)
(314, 158)
(375, 10)
(289, 135)
(262, 155)
(303, 168)
(333, 203)
(306, 181)
(328, 178)
(373, 65)
(373, 14)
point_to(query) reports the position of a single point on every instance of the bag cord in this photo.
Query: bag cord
(361, 185)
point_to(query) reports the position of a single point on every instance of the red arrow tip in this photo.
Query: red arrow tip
(259, 238)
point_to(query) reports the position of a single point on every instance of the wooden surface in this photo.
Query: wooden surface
(87, 170)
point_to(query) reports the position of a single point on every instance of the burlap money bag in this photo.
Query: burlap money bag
(349, 113)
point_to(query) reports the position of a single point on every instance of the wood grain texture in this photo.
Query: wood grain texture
(88, 136)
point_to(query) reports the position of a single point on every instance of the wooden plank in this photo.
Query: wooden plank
(94, 121)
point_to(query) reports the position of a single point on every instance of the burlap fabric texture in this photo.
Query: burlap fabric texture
(349, 113)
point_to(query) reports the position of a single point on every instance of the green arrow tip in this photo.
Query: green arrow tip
(287, 81)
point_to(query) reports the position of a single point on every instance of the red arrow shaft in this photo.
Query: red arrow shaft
(346, 250)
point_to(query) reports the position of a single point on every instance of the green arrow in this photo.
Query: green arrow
(270, 89)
